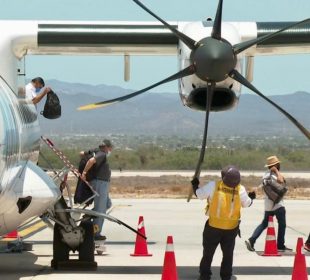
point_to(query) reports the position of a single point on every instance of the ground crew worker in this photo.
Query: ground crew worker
(36, 90)
(225, 199)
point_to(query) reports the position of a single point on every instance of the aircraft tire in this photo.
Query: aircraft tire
(87, 248)
(60, 249)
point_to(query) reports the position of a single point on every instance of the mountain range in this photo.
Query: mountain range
(164, 114)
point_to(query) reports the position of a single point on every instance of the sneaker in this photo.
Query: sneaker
(285, 249)
(100, 237)
(249, 245)
(307, 247)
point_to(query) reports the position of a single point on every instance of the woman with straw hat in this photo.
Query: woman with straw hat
(271, 208)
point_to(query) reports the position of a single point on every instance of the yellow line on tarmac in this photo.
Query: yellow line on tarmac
(29, 231)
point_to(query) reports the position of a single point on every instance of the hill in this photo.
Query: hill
(164, 114)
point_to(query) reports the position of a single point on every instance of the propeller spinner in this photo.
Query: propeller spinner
(213, 59)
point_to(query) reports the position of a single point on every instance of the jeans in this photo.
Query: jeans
(280, 215)
(101, 202)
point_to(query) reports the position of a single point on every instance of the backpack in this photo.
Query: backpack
(274, 190)
(82, 191)
(52, 107)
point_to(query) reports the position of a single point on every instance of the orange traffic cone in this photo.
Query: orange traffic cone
(169, 269)
(13, 234)
(300, 268)
(141, 245)
(271, 248)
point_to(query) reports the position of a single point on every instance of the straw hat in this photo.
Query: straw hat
(271, 161)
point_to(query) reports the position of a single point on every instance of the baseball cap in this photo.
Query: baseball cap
(107, 143)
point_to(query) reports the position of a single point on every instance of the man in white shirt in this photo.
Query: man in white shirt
(225, 198)
(36, 90)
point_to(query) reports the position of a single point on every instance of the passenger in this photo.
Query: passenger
(272, 209)
(36, 90)
(82, 191)
(101, 183)
(224, 201)
(307, 244)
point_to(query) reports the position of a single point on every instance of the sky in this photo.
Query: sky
(272, 75)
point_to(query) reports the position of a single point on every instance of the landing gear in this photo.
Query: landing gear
(86, 249)
(68, 236)
(60, 249)
(61, 257)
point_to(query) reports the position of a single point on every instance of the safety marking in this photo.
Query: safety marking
(169, 248)
(141, 225)
(270, 237)
(117, 206)
(270, 224)
(29, 231)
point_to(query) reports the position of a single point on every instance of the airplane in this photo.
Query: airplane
(211, 55)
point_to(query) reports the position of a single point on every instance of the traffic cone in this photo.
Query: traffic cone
(169, 269)
(300, 267)
(141, 245)
(13, 235)
(271, 248)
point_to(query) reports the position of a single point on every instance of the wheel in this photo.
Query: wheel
(100, 247)
(60, 249)
(87, 248)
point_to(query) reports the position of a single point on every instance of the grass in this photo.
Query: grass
(178, 187)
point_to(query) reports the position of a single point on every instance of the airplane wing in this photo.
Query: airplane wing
(139, 38)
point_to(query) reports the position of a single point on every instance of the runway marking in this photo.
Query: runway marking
(118, 206)
(28, 230)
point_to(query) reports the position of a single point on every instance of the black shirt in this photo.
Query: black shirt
(102, 166)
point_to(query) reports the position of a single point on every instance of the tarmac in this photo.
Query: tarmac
(163, 217)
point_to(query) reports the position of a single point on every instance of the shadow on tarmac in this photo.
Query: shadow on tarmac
(14, 266)
(13, 269)
(188, 272)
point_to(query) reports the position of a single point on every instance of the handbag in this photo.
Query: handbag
(274, 190)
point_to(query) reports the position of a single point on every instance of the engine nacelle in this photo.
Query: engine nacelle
(223, 99)
(193, 90)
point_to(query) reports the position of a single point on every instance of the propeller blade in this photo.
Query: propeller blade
(217, 27)
(239, 78)
(183, 73)
(92, 213)
(210, 91)
(238, 48)
(192, 44)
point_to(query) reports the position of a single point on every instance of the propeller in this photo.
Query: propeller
(213, 59)
(183, 73)
(217, 27)
(238, 48)
(210, 92)
(239, 78)
(184, 38)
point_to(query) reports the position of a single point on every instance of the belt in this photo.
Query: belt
(104, 180)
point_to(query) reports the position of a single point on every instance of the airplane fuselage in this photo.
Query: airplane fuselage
(25, 189)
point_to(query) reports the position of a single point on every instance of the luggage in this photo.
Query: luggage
(274, 190)
(52, 107)
(82, 191)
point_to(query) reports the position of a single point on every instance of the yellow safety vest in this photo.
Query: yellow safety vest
(224, 208)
